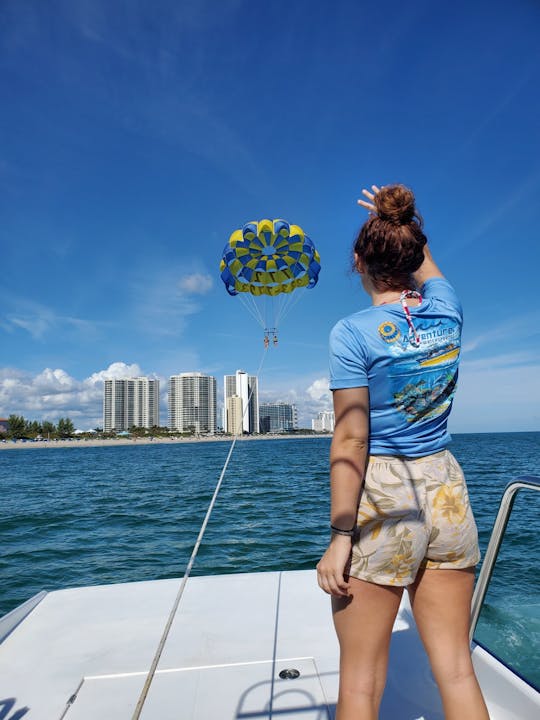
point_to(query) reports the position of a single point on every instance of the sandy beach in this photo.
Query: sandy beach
(116, 442)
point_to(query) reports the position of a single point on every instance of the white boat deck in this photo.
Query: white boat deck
(84, 653)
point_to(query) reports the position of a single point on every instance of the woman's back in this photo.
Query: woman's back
(411, 372)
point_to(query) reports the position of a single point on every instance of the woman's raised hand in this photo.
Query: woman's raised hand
(371, 197)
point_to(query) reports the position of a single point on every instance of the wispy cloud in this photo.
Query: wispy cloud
(514, 331)
(39, 321)
(120, 28)
(180, 107)
(196, 284)
(37, 325)
(500, 103)
(504, 361)
(171, 58)
(165, 298)
(527, 187)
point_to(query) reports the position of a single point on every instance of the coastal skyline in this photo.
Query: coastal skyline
(138, 137)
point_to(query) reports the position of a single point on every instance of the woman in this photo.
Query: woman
(400, 513)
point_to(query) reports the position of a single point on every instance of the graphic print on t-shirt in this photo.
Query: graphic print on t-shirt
(423, 379)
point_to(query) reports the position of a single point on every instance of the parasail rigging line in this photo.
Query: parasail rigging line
(170, 619)
(248, 301)
(286, 305)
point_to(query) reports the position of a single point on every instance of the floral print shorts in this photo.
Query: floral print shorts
(414, 513)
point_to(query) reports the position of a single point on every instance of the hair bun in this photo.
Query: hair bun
(395, 204)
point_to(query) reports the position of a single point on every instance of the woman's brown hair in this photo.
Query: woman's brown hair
(391, 243)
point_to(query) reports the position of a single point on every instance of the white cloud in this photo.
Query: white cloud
(196, 284)
(309, 396)
(53, 379)
(115, 371)
(52, 394)
(318, 391)
(313, 400)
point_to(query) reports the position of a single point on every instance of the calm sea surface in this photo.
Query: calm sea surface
(86, 516)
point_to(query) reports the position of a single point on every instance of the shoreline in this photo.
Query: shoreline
(119, 442)
(134, 441)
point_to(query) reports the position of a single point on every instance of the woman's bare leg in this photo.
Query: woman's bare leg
(364, 624)
(441, 602)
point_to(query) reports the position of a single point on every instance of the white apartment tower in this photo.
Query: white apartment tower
(324, 422)
(129, 402)
(192, 403)
(246, 388)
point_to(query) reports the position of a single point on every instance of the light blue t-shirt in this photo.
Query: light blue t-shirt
(410, 388)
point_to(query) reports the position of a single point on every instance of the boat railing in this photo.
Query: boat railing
(526, 482)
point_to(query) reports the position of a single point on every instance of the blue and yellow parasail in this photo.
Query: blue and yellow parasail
(264, 263)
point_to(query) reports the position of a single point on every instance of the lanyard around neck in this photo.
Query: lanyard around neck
(414, 337)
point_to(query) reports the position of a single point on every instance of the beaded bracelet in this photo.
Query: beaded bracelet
(339, 531)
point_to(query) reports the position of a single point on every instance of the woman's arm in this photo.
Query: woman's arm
(427, 270)
(348, 456)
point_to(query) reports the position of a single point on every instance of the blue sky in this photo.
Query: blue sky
(136, 136)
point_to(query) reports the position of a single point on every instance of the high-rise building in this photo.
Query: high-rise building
(324, 422)
(192, 403)
(233, 414)
(129, 402)
(278, 417)
(245, 387)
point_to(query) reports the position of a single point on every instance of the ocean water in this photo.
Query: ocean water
(86, 516)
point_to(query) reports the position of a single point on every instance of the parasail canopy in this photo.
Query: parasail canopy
(269, 257)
